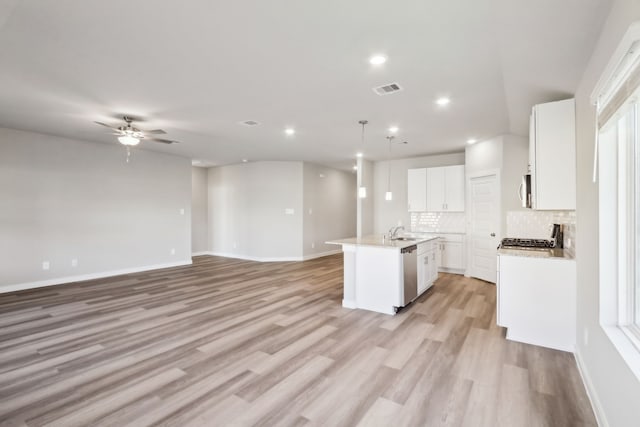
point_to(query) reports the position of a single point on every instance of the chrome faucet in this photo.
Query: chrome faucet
(393, 231)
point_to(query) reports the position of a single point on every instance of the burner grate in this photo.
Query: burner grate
(526, 243)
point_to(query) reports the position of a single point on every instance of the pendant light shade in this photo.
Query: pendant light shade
(362, 191)
(388, 196)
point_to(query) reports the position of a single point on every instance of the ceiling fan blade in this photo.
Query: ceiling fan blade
(154, 132)
(106, 125)
(163, 141)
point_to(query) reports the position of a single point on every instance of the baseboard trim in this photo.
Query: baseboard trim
(200, 253)
(322, 254)
(591, 391)
(91, 276)
(253, 258)
(347, 303)
(271, 259)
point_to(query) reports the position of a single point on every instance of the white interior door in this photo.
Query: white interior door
(484, 226)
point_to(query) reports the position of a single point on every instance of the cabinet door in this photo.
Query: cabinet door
(435, 190)
(417, 190)
(453, 255)
(454, 185)
(423, 273)
(554, 182)
(433, 267)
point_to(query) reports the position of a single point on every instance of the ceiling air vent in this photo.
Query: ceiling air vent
(387, 89)
(250, 123)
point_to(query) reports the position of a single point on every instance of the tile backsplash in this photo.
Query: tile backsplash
(438, 222)
(538, 225)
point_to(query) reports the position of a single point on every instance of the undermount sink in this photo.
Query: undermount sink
(410, 239)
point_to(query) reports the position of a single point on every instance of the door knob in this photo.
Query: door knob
(493, 234)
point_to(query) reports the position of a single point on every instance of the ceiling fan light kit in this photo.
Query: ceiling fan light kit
(129, 135)
(128, 140)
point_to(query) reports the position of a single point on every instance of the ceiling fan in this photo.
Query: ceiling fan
(130, 136)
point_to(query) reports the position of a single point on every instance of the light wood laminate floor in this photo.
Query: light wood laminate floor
(231, 342)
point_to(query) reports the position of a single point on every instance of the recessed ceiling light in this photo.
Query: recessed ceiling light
(471, 141)
(245, 160)
(358, 154)
(355, 167)
(289, 131)
(377, 60)
(443, 101)
(393, 129)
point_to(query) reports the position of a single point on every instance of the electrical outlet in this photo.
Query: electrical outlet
(235, 245)
(310, 211)
(585, 333)
(569, 242)
(173, 251)
(74, 262)
(313, 245)
(45, 265)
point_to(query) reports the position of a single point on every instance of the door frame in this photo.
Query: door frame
(469, 218)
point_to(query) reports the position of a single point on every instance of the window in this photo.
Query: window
(620, 163)
(618, 158)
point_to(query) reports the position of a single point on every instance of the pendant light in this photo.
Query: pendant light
(388, 196)
(362, 191)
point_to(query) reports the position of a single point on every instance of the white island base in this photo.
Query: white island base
(374, 274)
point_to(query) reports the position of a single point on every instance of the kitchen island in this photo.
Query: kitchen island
(383, 274)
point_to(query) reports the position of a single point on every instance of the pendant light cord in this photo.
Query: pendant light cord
(363, 122)
(389, 167)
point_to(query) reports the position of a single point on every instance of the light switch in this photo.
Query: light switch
(182, 211)
(45, 265)
(74, 262)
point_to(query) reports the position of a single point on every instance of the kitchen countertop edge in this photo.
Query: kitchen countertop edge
(557, 253)
(378, 241)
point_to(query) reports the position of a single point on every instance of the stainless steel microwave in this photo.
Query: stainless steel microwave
(525, 191)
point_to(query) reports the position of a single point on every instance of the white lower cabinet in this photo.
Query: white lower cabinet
(451, 253)
(427, 265)
(536, 300)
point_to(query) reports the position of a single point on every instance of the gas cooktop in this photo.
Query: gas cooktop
(510, 242)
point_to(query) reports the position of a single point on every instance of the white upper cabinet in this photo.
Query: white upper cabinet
(445, 189)
(552, 156)
(454, 188)
(417, 190)
(435, 189)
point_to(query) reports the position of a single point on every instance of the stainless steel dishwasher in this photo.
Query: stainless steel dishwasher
(410, 273)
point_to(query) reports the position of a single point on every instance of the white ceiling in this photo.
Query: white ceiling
(196, 68)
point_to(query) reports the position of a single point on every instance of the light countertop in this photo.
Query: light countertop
(417, 233)
(379, 241)
(555, 253)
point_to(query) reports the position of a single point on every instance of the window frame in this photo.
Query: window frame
(617, 170)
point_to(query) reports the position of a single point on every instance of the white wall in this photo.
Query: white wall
(387, 214)
(199, 206)
(329, 200)
(615, 388)
(365, 206)
(247, 204)
(63, 199)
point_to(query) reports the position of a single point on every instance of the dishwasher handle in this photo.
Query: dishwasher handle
(409, 249)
